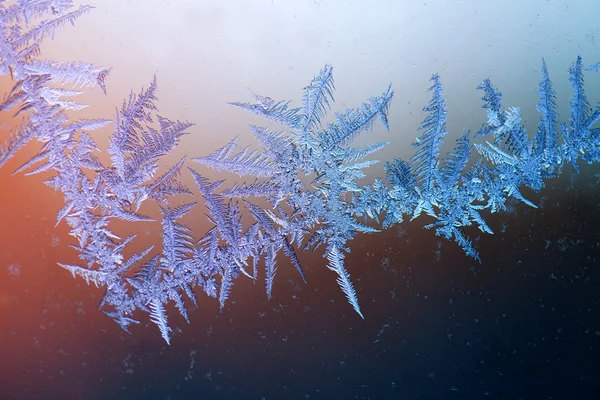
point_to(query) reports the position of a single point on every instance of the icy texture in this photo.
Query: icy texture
(329, 211)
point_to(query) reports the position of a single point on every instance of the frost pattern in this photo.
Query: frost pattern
(328, 211)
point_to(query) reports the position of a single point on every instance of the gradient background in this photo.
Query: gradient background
(524, 324)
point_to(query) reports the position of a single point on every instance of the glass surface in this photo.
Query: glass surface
(437, 323)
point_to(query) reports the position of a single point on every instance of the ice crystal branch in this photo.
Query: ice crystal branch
(457, 190)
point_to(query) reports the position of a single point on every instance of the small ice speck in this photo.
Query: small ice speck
(14, 270)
